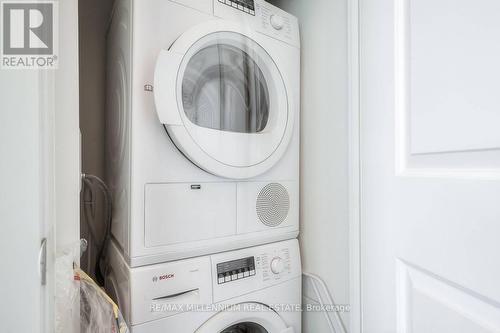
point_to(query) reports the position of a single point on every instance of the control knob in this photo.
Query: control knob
(277, 22)
(277, 265)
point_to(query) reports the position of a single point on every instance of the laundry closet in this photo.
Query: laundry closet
(250, 166)
(220, 131)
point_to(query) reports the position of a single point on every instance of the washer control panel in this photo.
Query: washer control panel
(275, 264)
(240, 272)
(247, 6)
(235, 270)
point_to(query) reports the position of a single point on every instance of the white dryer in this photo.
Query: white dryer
(202, 126)
(254, 290)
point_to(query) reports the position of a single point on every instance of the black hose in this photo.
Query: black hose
(88, 189)
(89, 180)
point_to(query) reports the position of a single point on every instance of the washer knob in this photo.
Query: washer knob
(277, 265)
(277, 22)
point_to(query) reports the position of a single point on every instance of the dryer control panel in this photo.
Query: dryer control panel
(262, 17)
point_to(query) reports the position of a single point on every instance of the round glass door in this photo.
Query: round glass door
(236, 319)
(231, 114)
(232, 99)
(245, 328)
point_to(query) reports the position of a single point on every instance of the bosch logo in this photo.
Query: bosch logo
(163, 277)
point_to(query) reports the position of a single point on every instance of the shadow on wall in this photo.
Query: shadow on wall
(321, 313)
(93, 16)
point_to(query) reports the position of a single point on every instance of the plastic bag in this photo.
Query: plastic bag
(98, 313)
(67, 290)
(81, 305)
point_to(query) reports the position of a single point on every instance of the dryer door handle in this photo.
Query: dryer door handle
(165, 87)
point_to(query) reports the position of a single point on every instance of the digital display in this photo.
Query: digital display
(247, 6)
(235, 269)
(250, 4)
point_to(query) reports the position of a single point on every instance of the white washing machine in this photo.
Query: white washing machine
(253, 290)
(202, 127)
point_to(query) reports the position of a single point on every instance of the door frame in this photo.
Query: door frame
(61, 153)
(355, 245)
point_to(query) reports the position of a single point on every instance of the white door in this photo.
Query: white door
(23, 295)
(39, 177)
(430, 165)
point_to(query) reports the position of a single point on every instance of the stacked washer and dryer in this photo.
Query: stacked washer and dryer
(203, 138)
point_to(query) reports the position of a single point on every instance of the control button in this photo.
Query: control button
(221, 280)
(227, 278)
(240, 7)
(277, 22)
(240, 276)
(234, 277)
(277, 265)
(246, 274)
(252, 12)
(234, 5)
(252, 272)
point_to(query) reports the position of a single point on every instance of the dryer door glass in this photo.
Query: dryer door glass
(245, 328)
(223, 88)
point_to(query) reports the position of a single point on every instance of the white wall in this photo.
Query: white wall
(324, 175)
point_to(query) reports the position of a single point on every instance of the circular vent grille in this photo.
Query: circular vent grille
(273, 204)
